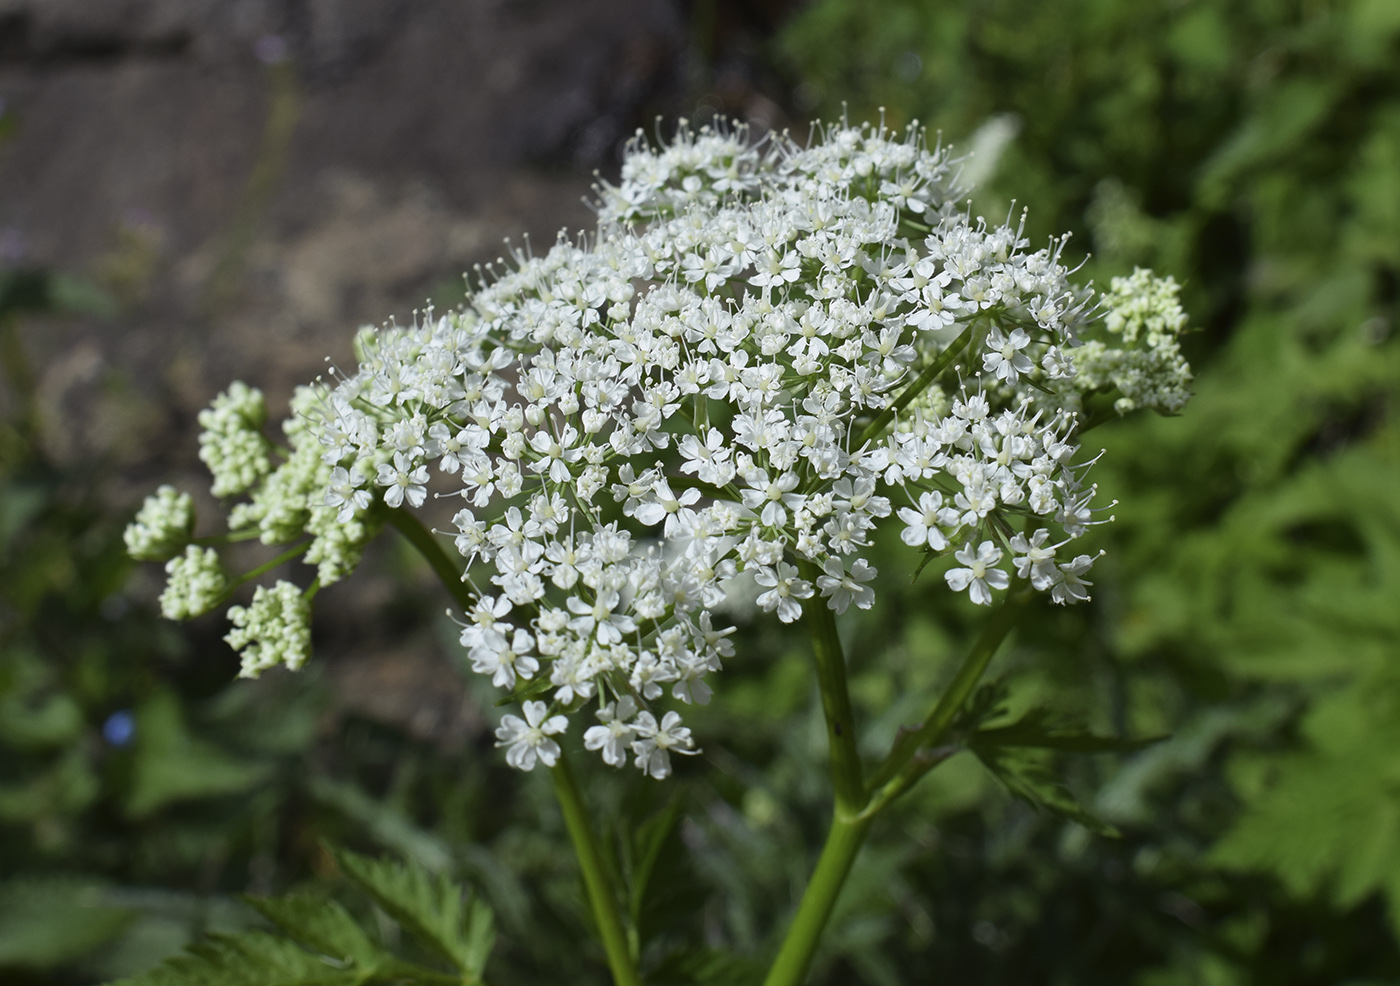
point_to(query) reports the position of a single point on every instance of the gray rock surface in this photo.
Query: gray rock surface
(250, 215)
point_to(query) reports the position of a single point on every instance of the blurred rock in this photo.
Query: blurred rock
(254, 179)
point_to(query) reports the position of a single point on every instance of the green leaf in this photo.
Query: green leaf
(1033, 779)
(172, 765)
(1045, 729)
(1020, 754)
(647, 843)
(1037, 728)
(386, 824)
(707, 967)
(251, 959)
(322, 925)
(429, 907)
(52, 922)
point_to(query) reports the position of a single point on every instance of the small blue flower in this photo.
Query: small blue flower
(120, 728)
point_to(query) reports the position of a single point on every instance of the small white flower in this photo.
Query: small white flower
(1034, 559)
(923, 526)
(784, 591)
(527, 740)
(346, 492)
(1006, 359)
(979, 577)
(655, 743)
(506, 663)
(405, 481)
(1071, 586)
(614, 737)
(843, 588)
(665, 506)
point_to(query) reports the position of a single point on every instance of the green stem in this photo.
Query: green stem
(906, 763)
(920, 384)
(846, 774)
(601, 897)
(267, 566)
(794, 958)
(421, 538)
(849, 823)
(232, 537)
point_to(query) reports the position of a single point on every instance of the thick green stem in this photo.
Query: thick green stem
(847, 778)
(602, 898)
(848, 823)
(420, 537)
(915, 752)
(794, 958)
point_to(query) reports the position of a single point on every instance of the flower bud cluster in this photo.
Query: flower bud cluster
(232, 444)
(195, 584)
(1144, 361)
(766, 353)
(162, 526)
(274, 629)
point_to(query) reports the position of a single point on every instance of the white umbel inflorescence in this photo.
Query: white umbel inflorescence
(766, 352)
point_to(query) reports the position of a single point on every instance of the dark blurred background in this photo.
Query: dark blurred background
(197, 191)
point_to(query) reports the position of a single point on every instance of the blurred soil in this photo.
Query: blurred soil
(251, 180)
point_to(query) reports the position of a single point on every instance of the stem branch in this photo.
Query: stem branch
(422, 539)
(601, 897)
(920, 384)
(266, 567)
(902, 767)
(846, 775)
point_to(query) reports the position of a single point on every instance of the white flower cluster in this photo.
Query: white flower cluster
(274, 629)
(1144, 362)
(195, 584)
(162, 526)
(765, 352)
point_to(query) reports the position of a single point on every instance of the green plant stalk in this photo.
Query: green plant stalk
(903, 766)
(266, 567)
(601, 896)
(847, 777)
(912, 757)
(422, 539)
(849, 823)
(843, 842)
